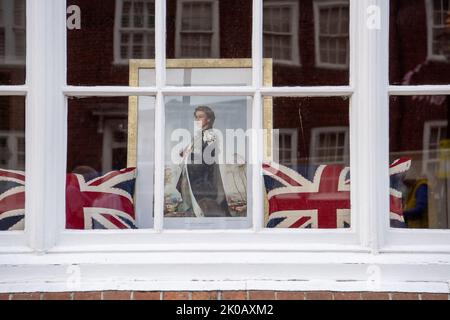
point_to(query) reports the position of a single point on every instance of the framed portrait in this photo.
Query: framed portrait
(197, 194)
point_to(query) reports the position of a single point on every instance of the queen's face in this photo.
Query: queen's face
(201, 117)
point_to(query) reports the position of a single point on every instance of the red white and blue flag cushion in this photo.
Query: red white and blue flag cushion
(308, 197)
(318, 197)
(397, 173)
(12, 200)
(105, 202)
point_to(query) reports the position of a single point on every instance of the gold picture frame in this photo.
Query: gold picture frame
(137, 64)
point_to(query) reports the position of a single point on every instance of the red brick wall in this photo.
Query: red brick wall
(222, 295)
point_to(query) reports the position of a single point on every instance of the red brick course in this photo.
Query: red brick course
(434, 296)
(261, 295)
(222, 295)
(375, 296)
(290, 295)
(4, 296)
(26, 296)
(320, 295)
(405, 296)
(205, 295)
(347, 296)
(234, 295)
(57, 296)
(151, 295)
(176, 295)
(90, 295)
(116, 295)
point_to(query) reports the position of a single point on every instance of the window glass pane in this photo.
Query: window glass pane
(12, 42)
(108, 137)
(111, 33)
(419, 135)
(209, 29)
(12, 163)
(419, 42)
(308, 41)
(307, 181)
(207, 172)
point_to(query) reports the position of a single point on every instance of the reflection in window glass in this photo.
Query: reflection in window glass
(111, 33)
(438, 26)
(12, 163)
(12, 133)
(424, 186)
(307, 178)
(308, 41)
(136, 30)
(209, 29)
(280, 31)
(287, 145)
(110, 163)
(330, 145)
(12, 42)
(420, 42)
(196, 31)
(333, 34)
(206, 163)
(98, 134)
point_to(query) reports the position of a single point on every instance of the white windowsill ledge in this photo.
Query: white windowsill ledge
(334, 271)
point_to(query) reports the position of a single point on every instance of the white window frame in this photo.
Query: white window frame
(294, 34)
(45, 256)
(430, 33)
(316, 132)
(215, 38)
(318, 4)
(145, 31)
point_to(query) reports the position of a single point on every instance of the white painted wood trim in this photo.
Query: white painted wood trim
(369, 134)
(107, 91)
(256, 143)
(160, 68)
(13, 90)
(46, 123)
(320, 91)
(419, 90)
(226, 271)
(111, 91)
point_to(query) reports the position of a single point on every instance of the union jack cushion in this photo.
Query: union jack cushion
(318, 197)
(104, 202)
(12, 200)
(397, 172)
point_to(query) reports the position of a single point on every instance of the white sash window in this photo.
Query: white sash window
(368, 256)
